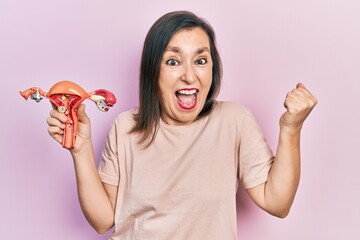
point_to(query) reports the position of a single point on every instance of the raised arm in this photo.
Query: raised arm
(97, 200)
(277, 194)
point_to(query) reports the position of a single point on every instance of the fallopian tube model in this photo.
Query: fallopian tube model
(66, 96)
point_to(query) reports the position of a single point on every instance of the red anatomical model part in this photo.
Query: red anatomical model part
(66, 96)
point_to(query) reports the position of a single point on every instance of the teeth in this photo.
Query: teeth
(187, 92)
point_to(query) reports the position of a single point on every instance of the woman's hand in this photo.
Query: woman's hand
(299, 103)
(56, 122)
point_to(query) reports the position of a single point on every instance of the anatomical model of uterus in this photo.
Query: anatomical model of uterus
(66, 96)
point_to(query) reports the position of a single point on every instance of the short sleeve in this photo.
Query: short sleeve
(109, 164)
(255, 155)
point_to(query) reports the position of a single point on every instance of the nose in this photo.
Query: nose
(188, 75)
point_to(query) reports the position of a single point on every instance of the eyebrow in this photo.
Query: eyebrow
(178, 50)
(173, 49)
(202, 50)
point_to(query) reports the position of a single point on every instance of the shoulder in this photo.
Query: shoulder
(231, 109)
(233, 114)
(124, 121)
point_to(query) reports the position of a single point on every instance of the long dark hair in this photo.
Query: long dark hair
(148, 116)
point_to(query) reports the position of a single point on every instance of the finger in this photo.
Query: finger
(53, 122)
(293, 95)
(310, 98)
(302, 87)
(60, 116)
(296, 98)
(82, 116)
(303, 94)
(291, 104)
(295, 102)
(56, 133)
(58, 138)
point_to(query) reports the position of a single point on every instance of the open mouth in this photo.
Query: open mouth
(187, 98)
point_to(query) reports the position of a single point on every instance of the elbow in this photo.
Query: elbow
(280, 209)
(280, 213)
(101, 225)
(102, 229)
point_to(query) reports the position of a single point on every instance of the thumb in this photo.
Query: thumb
(82, 116)
(300, 85)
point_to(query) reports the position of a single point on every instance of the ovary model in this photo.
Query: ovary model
(66, 96)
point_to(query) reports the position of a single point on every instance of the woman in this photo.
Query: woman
(170, 168)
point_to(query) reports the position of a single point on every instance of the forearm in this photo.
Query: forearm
(284, 176)
(277, 194)
(93, 198)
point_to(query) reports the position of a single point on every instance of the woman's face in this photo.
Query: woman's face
(185, 76)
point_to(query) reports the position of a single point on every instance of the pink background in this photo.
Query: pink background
(266, 47)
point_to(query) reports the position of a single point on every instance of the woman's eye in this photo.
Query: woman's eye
(201, 61)
(172, 62)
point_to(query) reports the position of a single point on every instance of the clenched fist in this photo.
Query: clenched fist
(298, 103)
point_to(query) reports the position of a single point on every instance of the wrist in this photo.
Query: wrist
(84, 149)
(290, 132)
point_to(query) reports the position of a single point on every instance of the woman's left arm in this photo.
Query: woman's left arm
(277, 194)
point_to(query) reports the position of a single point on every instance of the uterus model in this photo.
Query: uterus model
(66, 97)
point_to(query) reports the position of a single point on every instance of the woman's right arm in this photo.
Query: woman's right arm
(97, 199)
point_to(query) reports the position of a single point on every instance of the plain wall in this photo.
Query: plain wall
(266, 48)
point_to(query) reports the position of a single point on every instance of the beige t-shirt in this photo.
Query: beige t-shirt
(183, 186)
